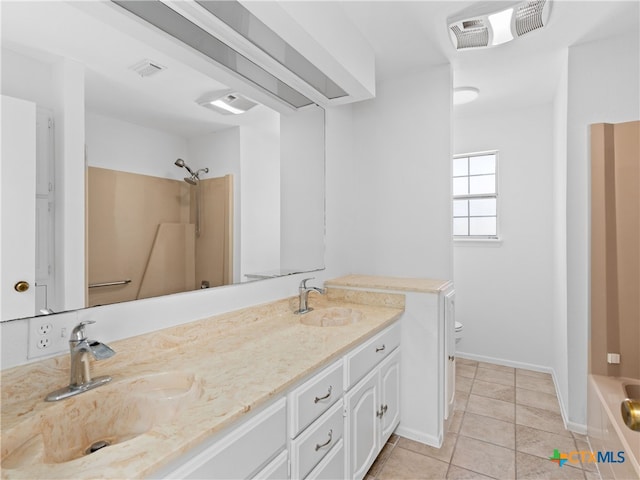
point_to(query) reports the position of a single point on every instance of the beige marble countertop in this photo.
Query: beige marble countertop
(241, 360)
(422, 285)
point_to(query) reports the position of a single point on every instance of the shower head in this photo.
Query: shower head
(191, 180)
(195, 176)
(180, 163)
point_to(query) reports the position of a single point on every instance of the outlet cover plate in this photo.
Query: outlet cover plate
(49, 335)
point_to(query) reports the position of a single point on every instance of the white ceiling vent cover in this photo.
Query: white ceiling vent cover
(146, 68)
(483, 26)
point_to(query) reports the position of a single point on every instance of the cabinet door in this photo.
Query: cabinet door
(363, 426)
(389, 408)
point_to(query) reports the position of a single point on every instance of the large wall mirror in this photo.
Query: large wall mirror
(172, 195)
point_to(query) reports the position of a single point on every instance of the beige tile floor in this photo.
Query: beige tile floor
(506, 425)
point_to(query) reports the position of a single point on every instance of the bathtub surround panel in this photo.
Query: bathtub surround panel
(615, 248)
(141, 228)
(125, 211)
(214, 245)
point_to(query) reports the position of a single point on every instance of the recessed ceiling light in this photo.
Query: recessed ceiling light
(501, 25)
(226, 102)
(463, 95)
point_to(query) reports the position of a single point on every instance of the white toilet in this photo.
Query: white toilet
(458, 332)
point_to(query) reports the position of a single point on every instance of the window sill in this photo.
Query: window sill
(477, 242)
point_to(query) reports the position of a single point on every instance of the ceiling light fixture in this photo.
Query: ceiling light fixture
(481, 26)
(226, 102)
(462, 95)
(501, 26)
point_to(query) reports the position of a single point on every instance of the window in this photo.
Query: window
(475, 195)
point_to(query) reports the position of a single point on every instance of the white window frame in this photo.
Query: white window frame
(489, 240)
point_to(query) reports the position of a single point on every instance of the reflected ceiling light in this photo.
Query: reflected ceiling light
(482, 26)
(463, 95)
(501, 26)
(226, 102)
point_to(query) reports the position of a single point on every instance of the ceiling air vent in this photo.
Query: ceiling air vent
(481, 25)
(530, 16)
(146, 68)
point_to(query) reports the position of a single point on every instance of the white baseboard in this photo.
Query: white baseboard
(506, 363)
(418, 436)
(572, 426)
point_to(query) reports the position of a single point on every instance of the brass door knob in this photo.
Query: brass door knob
(21, 286)
(630, 410)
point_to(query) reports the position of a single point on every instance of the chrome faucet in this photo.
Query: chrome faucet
(303, 291)
(80, 378)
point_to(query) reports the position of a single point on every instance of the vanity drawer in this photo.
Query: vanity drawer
(332, 466)
(314, 397)
(315, 442)
(242, 452)
(360, 361)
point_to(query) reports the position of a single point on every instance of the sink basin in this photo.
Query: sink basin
(331, 317)
(86, 423)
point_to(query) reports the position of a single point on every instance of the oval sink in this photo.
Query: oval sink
(331, 317)
(90, 421)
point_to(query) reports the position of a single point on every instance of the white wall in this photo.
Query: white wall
(120, 145)
(23, 77)
(603, 79)
(260, 196)
(399, 190)
(342, 210)
(559, 277)
(302, 181)
(504, 292)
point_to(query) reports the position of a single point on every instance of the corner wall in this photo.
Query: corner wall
(603, 79)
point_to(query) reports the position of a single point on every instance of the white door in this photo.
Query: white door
(362, 431)
(18, 207)
(389, 395)
(450, 352)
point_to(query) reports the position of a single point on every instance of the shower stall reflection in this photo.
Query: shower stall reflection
(194, 180)
(166, 235)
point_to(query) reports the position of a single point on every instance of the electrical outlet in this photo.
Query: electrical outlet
(49, 335)
(45, 328)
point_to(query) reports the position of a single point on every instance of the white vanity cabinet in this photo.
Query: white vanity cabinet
(427, 378)
(372, 406)
(317, 431)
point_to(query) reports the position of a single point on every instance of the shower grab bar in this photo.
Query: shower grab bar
(109, 284)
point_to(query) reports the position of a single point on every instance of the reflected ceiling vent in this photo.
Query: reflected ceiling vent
(146, 68)
(226, 102)
(483, 26)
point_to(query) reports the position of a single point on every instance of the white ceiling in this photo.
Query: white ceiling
(49, 30)
(405, 36)
(410, 36)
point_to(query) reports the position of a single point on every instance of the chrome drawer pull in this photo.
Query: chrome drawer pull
(317, 399)
(318, 446)
(380, 349)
